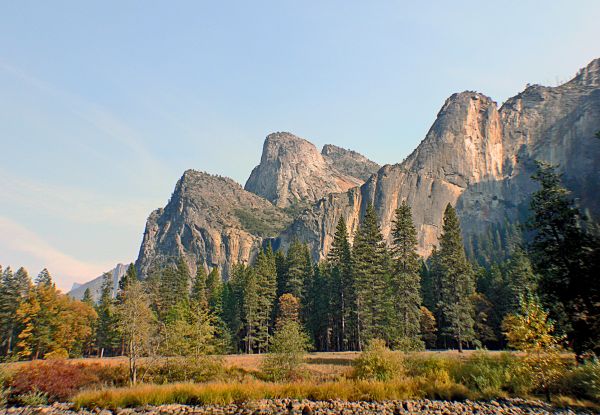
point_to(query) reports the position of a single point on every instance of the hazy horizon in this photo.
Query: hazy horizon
(104, 106)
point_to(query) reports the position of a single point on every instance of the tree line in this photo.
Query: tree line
(364, 289)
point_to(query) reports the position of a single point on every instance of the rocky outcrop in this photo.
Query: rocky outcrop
(95, 285)
(476, 156)
(210, 221)
(480, 158)
(292, 171)
(349, 162)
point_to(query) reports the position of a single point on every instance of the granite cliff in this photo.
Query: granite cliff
(292, 171)
(480, 158)
(476, 156)
(209, 221)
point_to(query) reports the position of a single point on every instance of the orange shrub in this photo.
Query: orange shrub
(60, 380)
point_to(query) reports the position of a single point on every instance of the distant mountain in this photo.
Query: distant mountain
(476, 156)
(209, 221)
(480, 158)
(292, 171)
(95, 285)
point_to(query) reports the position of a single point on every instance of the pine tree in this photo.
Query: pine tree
(107, 338)
(456, 283)
(214, 288)
(250, 309)
(297, 268)
(266, 279)
(342, 288)
(371, 265)
(13, 291)
(87, 297)
(199, 290)
(406, 280)
(129, 276)
(567, 258)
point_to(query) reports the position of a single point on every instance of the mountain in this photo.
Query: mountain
(476, 155)
(292, 171)
(480, 158)
(95, 285)
(349, 162)
(209, 221)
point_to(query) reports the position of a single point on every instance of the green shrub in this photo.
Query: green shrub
(288, 347)
(172, 370)
(584, 381)
(4, 387)
(484, 374)
(33, 398)
(378, 362)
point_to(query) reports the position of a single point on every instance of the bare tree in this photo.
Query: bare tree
(136, 323)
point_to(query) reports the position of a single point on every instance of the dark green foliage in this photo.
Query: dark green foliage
(13, 290)
(214, 289)
(198, 296)
(341, 287)
(129, 276)
(262, 222)
(107, 337)
(566, 255)
(455, 282)
(405, 279)
(371, 269)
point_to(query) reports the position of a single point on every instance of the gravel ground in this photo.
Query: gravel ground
(295, 407)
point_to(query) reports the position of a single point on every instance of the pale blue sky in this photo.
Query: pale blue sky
(103, 105)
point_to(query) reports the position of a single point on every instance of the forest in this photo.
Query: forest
(543, 296)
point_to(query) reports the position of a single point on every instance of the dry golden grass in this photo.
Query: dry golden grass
(225, 393)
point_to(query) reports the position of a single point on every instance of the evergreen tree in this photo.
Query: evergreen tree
(456, 283)
(129, 276)
(250, 309)
(44, 278)
(199, 289)
(107, 338)
(266, 279)
(370, 265)
(87, 297)
(298, 268)
(13, 291)
(406, 280)
(214, 288)
(342, 288)
(567, 258)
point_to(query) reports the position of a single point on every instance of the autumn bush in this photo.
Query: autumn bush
(61, 379)
(378, 362)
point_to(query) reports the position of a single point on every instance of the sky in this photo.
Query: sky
(104, 104)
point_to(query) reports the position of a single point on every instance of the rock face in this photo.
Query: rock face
(209, 221)
(475, 156)
(292, 171)
(349, 162)
(480, 158)
(95, 285)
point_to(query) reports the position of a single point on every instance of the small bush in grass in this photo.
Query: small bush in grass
(33, 398)
(584, 381)
(378, 362)
(172, 370)
(60, 379)
(4, 388)
(286, 352)
(484, 374)
(57, 354)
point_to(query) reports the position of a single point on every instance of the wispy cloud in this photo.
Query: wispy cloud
(96, 116)
(75, 204)
(66, 269)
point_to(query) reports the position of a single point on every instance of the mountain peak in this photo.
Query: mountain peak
(292, 171)
(350, 162)
(590, 75)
